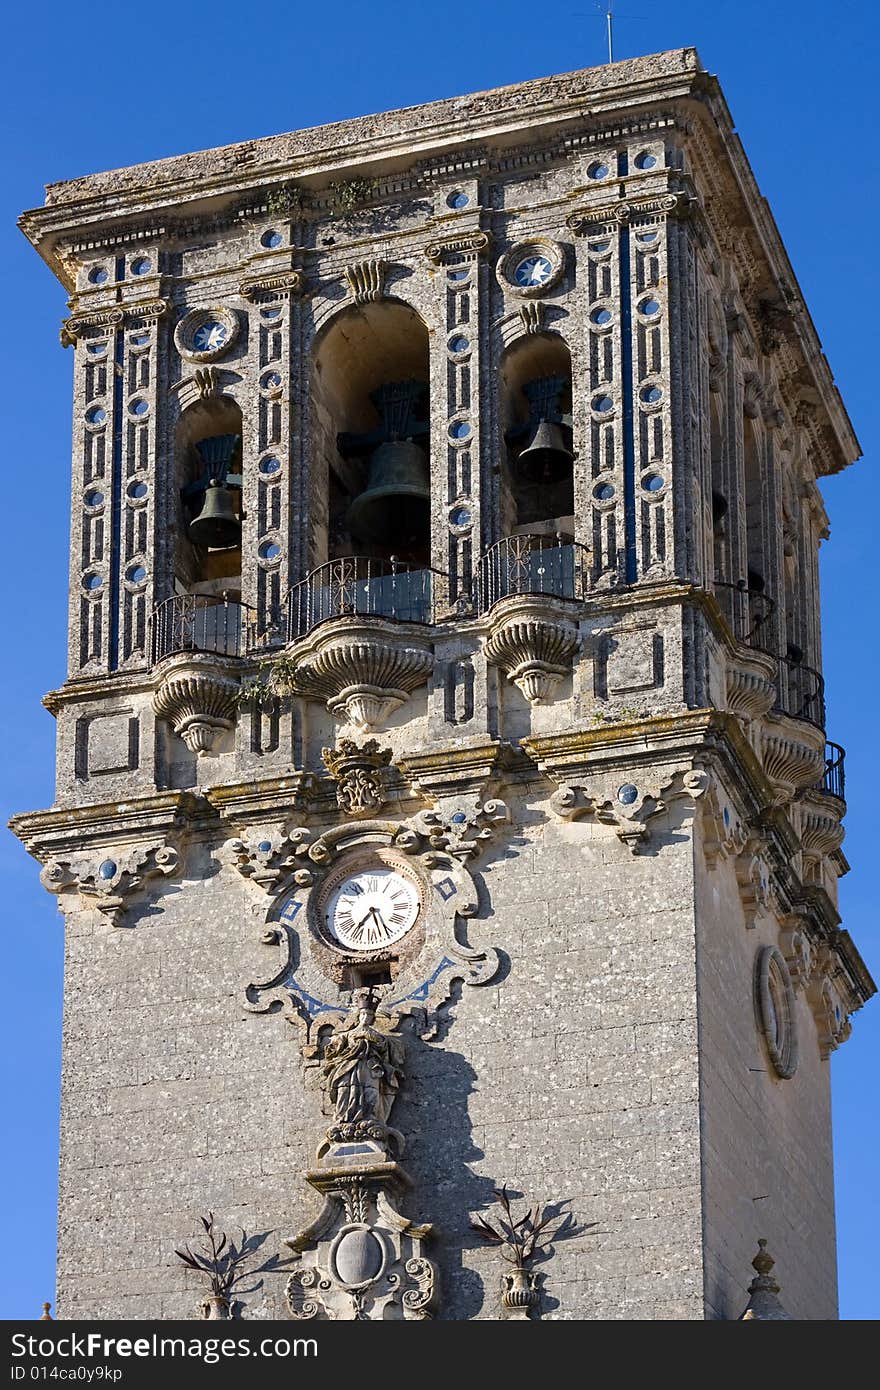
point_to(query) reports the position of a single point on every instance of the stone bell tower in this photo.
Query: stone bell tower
(444, 801)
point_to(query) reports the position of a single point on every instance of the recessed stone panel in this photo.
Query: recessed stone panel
(107, 743)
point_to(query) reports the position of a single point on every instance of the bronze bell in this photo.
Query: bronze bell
(216, 525)
(394, 506)
(546, 458)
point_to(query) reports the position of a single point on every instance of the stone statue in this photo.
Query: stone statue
(362, 1067)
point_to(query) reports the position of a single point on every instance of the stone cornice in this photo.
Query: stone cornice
(52, 832)
(716, 125)
(466, 121)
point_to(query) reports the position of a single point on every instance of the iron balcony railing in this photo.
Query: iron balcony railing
(532, 564)
(748, 612)
(362, 587)
(833, 780)
(201, 623)
(800, 691)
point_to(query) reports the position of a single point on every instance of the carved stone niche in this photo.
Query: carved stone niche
(363, 668)
(368, 1262)
(533, 640)
(197, 697)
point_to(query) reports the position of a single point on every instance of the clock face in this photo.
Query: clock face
(371, 908)
(210, 336)
(533, 270)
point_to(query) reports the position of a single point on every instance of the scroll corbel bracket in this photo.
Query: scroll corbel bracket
(269, 855)
(109, 880)
(632, 810)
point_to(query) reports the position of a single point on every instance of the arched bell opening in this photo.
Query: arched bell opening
(537, 491)
(757, 558)
(207, 548)
(720, 504)
(370, 437)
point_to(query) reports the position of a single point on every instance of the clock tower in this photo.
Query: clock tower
(445, 811)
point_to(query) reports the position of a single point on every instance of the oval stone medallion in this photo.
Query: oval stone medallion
(358, 1257)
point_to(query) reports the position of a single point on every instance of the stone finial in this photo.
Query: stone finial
(763, 1301)
(46, 1316)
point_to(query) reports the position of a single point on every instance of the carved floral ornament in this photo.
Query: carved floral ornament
(109, 878)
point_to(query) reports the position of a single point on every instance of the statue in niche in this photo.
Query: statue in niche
(362, 1070)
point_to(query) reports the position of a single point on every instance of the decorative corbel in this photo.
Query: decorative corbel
(268, 855)
(632, 810)
(107, 883)
(462, 829)
(366, 280)
(753, 879)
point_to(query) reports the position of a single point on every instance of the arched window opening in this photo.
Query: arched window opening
(207, 552)
(756, 558)
(538, 480)
(720, 505)
(370, 433)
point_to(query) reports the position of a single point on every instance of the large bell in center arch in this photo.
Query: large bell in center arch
(393, 510)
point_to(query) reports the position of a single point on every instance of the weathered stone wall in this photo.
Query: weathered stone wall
(766, 1142)
(572, 1077)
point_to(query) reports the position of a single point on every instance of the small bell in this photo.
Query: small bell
(546, 458)
(394, 506)
(216, 526)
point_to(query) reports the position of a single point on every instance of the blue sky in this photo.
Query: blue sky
(104, 87)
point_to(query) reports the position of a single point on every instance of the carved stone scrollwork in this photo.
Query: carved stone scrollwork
(371, 1270)
(280, 286)
(821, 830)
(828, 1006)
(469, 244)
(108, 880)
(533, 649)
(798, 950)
(366, 280)
(267, 856)
(723, 831)
(197, 696)
(753, 879)
(362, 669)
(357, 772)
(630, 818)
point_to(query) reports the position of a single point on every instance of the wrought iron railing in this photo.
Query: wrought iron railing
(748, 612)
(800, 691)
(532, 564)
(361, 587)
(201, 623)
(833, 779)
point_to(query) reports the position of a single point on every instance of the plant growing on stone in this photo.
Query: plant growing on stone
(285, 198)
(273, 681)
(223, 1262)
(348, 194)
(520, 1242)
